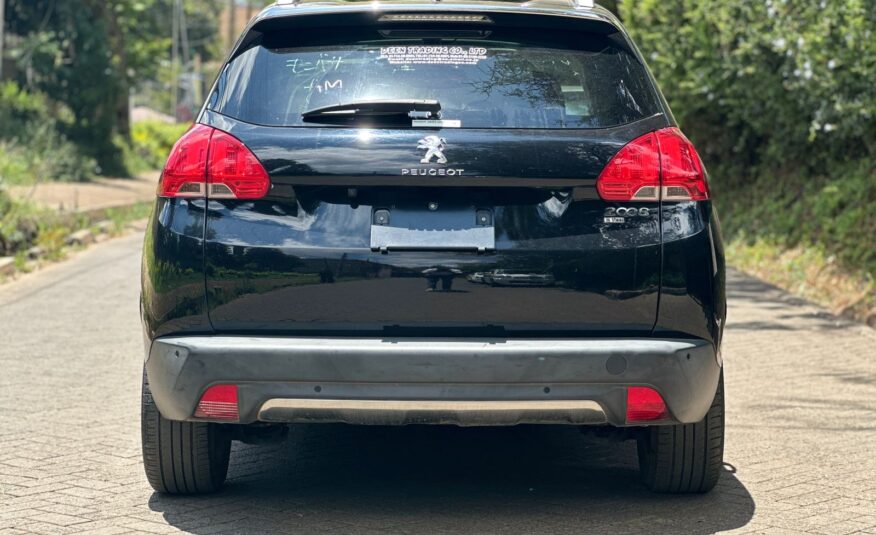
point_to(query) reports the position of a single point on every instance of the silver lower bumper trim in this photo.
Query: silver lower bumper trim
(402, 412)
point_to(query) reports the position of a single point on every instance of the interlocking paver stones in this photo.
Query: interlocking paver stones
(801, 417)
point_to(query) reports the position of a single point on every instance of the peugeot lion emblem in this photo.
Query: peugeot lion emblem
(434, 146)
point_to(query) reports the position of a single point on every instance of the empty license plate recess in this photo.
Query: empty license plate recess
(432, 229)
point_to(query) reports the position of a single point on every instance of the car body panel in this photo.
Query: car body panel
(230, 287)
(300, 259)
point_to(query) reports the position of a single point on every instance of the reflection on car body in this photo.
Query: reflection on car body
(477, 278)
(444, 274)
(505, 277)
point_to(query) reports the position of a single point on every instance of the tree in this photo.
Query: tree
(90, 55)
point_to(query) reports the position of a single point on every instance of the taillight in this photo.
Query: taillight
(633, 173)
(659, 165)
(219, 402)
(645, 405)
(185, 173)
(234, 171)
(681, 171)
(207, 162)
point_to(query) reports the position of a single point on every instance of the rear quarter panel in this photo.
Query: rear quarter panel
(173, 297)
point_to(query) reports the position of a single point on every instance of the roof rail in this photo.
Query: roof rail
(288, 2)
(584, 3)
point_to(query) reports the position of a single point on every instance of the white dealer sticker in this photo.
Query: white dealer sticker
(425, 55)
(439, 123)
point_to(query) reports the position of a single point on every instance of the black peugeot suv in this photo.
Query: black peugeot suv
(422, 212)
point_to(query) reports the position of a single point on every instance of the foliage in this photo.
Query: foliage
(833, 213)
(765, 83)
(778, 97)
(31, 143)
(152, 141)
(809, 272)
(19, 224)
(24, 225)
(65, 52)
(121, 216)
(90, 54)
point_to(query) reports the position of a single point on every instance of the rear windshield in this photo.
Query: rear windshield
(520, 81)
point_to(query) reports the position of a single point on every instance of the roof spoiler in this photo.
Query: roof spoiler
(290, 14)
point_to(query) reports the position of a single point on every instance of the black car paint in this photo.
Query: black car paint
(607, 276)
(235, 267)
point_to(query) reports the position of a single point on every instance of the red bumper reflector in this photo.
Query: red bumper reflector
(645, 405)
(219, 402)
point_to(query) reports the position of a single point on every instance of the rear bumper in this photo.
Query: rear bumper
(444, 381)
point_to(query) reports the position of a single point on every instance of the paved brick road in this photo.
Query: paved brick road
(801, 388)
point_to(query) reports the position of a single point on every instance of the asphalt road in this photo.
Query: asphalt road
(801, 444)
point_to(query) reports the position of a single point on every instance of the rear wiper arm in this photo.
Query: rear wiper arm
(415, 109)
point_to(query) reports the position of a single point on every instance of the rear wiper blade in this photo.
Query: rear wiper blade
(415, 109)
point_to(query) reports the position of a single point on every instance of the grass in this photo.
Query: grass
(24, 225)
(813, 235)
(808, 272)
(835, 214)
(122, 216)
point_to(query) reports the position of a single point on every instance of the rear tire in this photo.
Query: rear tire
(686, 458)
(182, 457)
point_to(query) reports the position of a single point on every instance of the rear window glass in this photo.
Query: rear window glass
(569, 81)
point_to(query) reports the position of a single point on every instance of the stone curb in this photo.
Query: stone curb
(99, 231)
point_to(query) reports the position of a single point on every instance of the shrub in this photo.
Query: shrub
(32, 145)
(765, 83)
(153, 140)
(19, 225)
(832, 212)
(778, 97)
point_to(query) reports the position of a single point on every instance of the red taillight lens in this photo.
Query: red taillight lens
(206, 157)
(645, 405)
(185, 174)
(219, 402)
(235, 172)
(633, 173)
(681, 170)
(661, 164)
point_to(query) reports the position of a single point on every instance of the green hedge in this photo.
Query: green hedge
(833, 213)
(778, 96)
(33, 146)
(777, 82)
(153, 140)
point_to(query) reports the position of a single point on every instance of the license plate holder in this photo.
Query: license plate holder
(432, 229)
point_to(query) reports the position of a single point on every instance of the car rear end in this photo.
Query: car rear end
(323, 234)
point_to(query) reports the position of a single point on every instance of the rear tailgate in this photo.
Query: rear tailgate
(498, 231)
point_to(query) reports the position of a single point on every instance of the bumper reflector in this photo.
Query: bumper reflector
(645, 405)
(219, 402)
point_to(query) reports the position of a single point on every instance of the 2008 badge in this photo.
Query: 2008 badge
(619, 215)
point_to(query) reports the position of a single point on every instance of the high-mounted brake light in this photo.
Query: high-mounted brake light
(659, 165)
(207, 162)
(645, 405)
(219, 402)
(433, 17)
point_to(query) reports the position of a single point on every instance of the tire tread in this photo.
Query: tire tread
(181, 457)
(685, 458)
